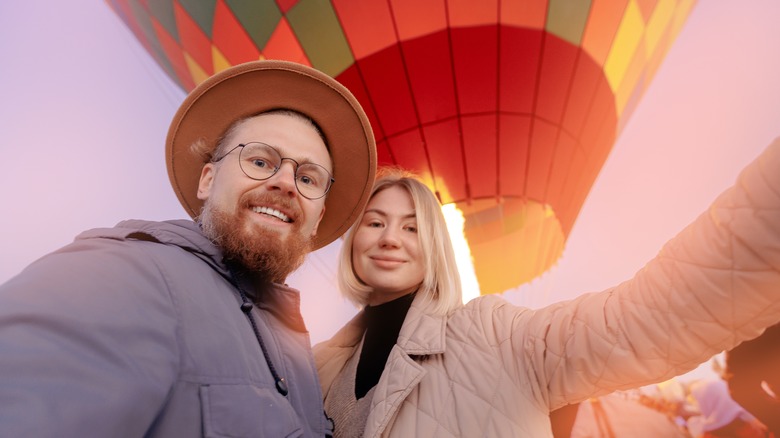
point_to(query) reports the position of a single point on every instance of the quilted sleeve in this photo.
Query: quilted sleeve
(712, 286)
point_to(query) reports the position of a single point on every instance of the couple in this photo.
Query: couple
(185, 328)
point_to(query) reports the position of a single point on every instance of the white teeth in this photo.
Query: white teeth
(272, 212)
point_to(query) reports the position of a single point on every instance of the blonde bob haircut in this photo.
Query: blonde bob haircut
(441, 283)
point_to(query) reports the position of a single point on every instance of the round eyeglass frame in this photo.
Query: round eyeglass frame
(331, 180)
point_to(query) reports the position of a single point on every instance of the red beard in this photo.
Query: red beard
(256, 248)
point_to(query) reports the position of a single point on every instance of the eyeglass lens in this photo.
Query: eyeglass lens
(261, 161)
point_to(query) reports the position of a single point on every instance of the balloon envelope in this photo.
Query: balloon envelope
(507, 109)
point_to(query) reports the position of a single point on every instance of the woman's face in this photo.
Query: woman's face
(386, 252)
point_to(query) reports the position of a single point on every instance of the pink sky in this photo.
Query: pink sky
(84, 112)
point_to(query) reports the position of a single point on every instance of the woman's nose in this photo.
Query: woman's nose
(389, 238)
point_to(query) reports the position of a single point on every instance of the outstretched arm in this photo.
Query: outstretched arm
(713, 285)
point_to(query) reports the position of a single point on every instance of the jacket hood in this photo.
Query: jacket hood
(279, 299)
(183, 233)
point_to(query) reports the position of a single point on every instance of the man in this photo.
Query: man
(185, 328)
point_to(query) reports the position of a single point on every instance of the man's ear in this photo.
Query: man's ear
(317, 225)
(206, 180)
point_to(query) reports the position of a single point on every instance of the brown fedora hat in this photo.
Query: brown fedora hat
(258, 86)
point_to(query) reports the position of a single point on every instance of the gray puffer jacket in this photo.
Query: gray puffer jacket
(137, 331)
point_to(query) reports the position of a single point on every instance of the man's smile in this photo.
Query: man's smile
(272, 212)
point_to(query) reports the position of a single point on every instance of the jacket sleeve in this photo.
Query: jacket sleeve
(712, 286)
(87, 343)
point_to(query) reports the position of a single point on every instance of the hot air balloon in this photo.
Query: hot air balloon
(506, 108)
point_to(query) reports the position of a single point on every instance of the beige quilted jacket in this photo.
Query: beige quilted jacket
(495, 370)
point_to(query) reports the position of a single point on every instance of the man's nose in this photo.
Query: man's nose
(284, 178)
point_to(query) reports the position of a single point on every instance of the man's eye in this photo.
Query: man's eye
(307, 180)
(261, 163)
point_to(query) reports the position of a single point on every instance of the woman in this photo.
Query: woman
(416, 362)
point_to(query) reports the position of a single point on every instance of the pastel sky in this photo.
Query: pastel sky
(84, 112)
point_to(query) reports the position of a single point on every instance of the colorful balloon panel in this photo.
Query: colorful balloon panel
(506, 108)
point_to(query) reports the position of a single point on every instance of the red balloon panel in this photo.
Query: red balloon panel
(568, 210)
(174, 55)
(587, 76)
(383, 154)
(408, 151)
(428, 65)
(603, 105)
(555, 77)
(443, 144)
(529, 13)
(519, 67)
(193, 39)
(286, 5)
(514, 134)
(475, 60)
(229, 35)
(366, 36)
(472, 13)
(352, 79)
(415, 18)
(543, 141)
(565, 150)
(283, 44)
(388, 92)
(479, 139)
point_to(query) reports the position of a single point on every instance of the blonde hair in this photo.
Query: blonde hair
(441, 283)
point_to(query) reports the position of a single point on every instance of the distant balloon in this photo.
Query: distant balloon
(507, 108)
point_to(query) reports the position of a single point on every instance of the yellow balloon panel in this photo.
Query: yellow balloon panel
(624, 46)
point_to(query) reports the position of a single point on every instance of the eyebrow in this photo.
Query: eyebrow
(298, 159)
(412, 215)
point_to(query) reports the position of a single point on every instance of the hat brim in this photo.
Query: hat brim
(254, 87)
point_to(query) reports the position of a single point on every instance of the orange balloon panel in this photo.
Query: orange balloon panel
(507, 108)
(496, 230)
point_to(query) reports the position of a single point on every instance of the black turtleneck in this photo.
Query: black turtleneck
(383, 322)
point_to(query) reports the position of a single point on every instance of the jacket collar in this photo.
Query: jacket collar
(281, 300)
(422, 333)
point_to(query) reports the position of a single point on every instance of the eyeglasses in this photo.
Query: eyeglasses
(260, 161)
